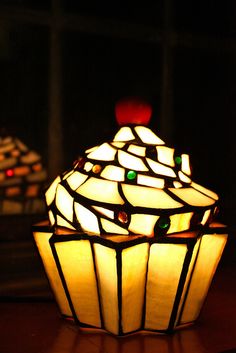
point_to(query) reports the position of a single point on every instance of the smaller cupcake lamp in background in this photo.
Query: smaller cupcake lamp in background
(22, 178)
(131, 242)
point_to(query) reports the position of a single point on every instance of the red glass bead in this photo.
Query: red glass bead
(9, 172)
(123, 217)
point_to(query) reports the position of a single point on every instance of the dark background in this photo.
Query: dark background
(111, 49)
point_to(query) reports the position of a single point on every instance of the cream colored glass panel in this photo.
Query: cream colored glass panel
(179, 222)
(86, 218)
(160, 169)
(67, 174)
(51, 217)
(164, 270)
(150, 181)
(148, 197)
(131, 162)
(139, 150)
(101, 190)
(184, 178)
(91, 149)
(192, 197)
(166, 155)
(112, 172)
(88, 166)
(61, 222)
(112, 227)
(205, 217)
(42, 242)
(147, 136)
(64, 202)
(107, 279)
(124, 134)
(50, 193)
(205, 191)
(143, 224)
(76, 179)
(104, 211)
(177, 184)
(103, 153)
(78, 269)
(118, 144)
(134, 260)
(211, 248)
(185, 165)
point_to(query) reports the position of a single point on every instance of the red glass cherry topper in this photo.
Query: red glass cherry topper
(132, 110)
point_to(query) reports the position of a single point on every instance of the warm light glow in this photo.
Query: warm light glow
(103, 153)
(184, 178)
(143, 224)
(112, 228)
(76, 179)
(104, 211)
(159, 168)
(166, 155)
(112, 172)
(131, 162)
(185, 164)
(138, 150)
(63, 223)
(147, 136)
(51, 191)
(124, 134)
(180, 222)
(192, 197)
(64, 203)
(150, 181)
(205, 191)
(86, 219)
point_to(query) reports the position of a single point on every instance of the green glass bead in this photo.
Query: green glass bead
(131, 175)
(178, 160)
(164, 223)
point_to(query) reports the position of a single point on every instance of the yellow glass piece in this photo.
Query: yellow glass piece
(6, 148)
(76, 179)
(104, 211)
(37, 167)
(67, 174)
(107, 279)
(159, 168)
(164, 270)
(133, 286)
(103, 153)
(150, 181)
(177, 184)
(166, 155)
(51, 217)
(112, 228)
(118, 144)
(147, 136)
(86, 218)
(15, 153)
(180, 222)
(205, 191)
(88, 166)
(143, 224)
(51, 191)
(124, 134)
(149, 197)
(76, 261)
(30, 157)
(131, 162)
(63, 223)
(101, 190)
(206, 217)
(44, 248)
(211, 248)
(192, 197)
(184, 178)
(112, 172)
(185, 166)
(91, 149)
(64, 202)
(138, 150)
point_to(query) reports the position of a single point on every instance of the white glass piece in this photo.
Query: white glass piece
(104, 211)
(177, 184)
(134, 257)
(45, 251)
(192, 197)
(86, 218)
(118, 144)
(184, 178)
(143, 224)
(51, 217)
(67, 174)
(124, 134)
(88, 166)
(63, 223)
(164, 270)
(64, 202)
(112, 228)
(147, 136)
(138, 150)
(76, 262)
(91, 149)
(165, 155)
(101, 190)
(131, 162)
(76, 179)
(112, 172)
(159, 168)
(211, 248)
(107, 279)
(205, 217)
(51, 191)
(103, 153)
(150, 181)
(205, 191)
(179, 222)
(185, 165)
(149, 197)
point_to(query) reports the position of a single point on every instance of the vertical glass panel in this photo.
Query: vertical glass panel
(76, 261)
(131, 162)
(103, 153)
(179, 222)
(211, 248)
(76, 179)
(159, 168)
(86, 218)
(42, 242)
(147, 136)
(206, 217)
(134, 260)
(51, 217)
(143, 224)
(124, 134)
(112, 172)
(106, 267)
(166, 155)
(64, 202)
(112, 228)
(51, 191)
(192, 197)
(185, 164)
(164, 270)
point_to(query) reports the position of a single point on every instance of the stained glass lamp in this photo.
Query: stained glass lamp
(130, 243)
(22, 178)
